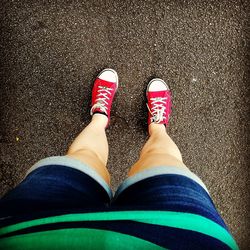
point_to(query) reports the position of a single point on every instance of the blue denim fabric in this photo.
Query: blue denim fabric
(56, 188)
(168, 192)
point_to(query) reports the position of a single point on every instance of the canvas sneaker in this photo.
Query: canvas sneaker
(158, 102)
(103, 92)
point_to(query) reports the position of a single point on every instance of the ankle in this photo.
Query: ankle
(155, 128)
(100, 120)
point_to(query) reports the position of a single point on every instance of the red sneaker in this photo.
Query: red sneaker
(159, 102)
(103, 92)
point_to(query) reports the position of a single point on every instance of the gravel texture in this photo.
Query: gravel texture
(51, 52)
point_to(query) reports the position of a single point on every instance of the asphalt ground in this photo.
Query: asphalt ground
(50, 53)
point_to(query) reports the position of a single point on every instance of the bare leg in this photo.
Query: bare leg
(159, 150)
(91, 146)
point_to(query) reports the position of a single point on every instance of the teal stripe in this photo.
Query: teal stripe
(180, 220)
(75, 239)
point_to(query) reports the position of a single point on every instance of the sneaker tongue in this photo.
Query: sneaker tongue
(97, 108)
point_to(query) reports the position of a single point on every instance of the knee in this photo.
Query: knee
(82, 151)
(161, 155)
(152, 159)
(162, 151)
(92, 160)
(153, 149)
(86, 153)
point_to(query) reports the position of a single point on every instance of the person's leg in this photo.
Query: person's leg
(173, 201)
(78, 180)
(159, 150)
(160, 155)
(91, 146)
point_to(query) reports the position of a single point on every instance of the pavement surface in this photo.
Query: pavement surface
(50, 53)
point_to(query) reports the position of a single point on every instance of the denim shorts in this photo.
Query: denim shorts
(62, 185)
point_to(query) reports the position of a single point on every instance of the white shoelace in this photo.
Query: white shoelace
(158, 109)
(102, 99)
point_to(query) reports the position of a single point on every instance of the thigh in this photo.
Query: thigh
(152, 160)
(52, 185)
(167, 189)
(191, 218)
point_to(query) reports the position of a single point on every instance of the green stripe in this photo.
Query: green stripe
(75, 239)
(180, 220)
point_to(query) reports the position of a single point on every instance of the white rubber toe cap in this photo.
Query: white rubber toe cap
(109, 75)
(157, 84)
